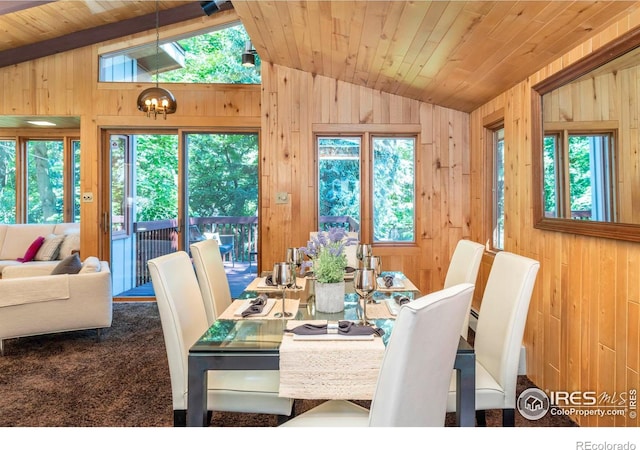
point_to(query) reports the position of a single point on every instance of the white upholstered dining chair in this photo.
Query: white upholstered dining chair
(498, 338)
(212, 278)
(463, 268)
(183, 319)
(414, 377)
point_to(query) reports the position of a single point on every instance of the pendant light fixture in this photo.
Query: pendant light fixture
(156, 100)
(249, 55)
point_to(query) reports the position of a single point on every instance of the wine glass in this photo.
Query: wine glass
(363, 251)
(364, 282)
(294, 257)
(374, 263)
(282, 277)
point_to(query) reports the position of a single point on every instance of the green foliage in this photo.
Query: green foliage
(215, 58)
(156, 161)
(550, 174)
(580, 173)
(7, 181)
(223, 174)
(329, 268)
(393, 194)
(45, 181)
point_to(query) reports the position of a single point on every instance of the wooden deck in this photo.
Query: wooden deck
(239, 276)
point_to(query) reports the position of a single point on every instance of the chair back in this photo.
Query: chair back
(212, 278)
(414, 378)
(463, 268)
(502, 318)
(182, 315)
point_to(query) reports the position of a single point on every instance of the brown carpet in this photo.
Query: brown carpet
(70, 380)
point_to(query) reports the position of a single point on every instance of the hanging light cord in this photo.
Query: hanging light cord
(157, 43)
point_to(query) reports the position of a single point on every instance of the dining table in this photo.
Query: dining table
(234, 342)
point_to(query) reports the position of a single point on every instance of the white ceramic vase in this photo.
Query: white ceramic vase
(329, 297)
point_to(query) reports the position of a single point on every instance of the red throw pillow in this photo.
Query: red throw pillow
(32, 250)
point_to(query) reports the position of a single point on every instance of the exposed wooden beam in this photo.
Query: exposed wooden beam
(102, 33)
(7, 7)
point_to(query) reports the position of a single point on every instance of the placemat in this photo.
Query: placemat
(291, 305)
(335, 369)
(378, 310)
(407, 286)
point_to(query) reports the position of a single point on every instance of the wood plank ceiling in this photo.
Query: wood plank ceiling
(457, 54)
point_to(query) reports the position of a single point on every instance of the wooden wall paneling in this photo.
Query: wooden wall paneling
(342, 112)
(582, 329)
(606, 295)
(573, 291)
(606, 381)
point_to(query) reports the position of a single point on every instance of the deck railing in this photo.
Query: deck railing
(160, 237)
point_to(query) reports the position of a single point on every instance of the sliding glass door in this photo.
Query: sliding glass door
(170, 189)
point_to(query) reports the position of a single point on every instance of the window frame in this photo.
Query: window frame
(366, 137)
(20, 139)
(491, 124)
(563, 166)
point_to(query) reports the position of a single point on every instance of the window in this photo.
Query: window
(339, 181)
(45, 181)
(497, 238)
(120, 183)
(579, 175)
(393, 189)
(75, 179)
(7, 181)
(389, 163)
(211, 57)
(46, 194)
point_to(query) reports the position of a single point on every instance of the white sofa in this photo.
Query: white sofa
(45, 304)
(15, 239)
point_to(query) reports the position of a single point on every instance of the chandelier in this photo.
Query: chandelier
(157, 100)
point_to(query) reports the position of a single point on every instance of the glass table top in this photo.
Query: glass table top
(265, 335)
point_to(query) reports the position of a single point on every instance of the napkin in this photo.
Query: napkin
(344, 327)
(256, 306)
(268, 281)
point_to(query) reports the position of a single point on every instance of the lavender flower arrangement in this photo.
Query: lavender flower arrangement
(326, 253)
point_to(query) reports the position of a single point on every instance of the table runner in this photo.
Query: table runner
(291, 305)
(337, 369)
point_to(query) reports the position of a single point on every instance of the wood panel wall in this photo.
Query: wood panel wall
(65, 84)
(297, 104)
(582, 328)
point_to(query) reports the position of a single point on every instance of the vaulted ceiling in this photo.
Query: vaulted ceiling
(457, 54)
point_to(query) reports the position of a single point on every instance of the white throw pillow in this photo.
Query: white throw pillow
(71, 242)
(50, 248)
(90, 265)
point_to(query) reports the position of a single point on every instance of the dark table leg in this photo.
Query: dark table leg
(465, 366)
(197, 393)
